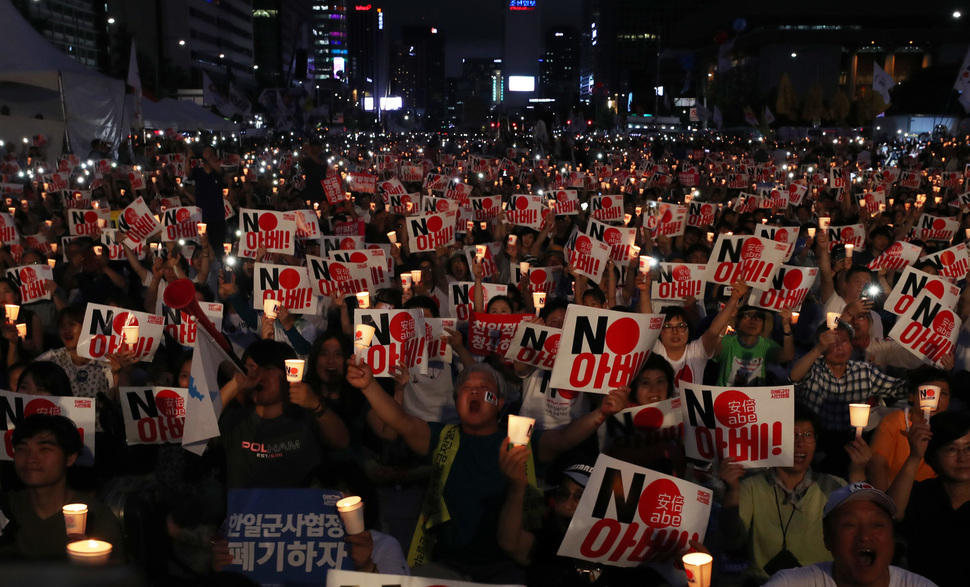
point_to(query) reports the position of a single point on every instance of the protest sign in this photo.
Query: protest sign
(329, 277)
(606, 208)
(781, 234)
(912, 283)
(953, 263)
(678, 281)
(662, 420)
(787, 289)
(181, 223)
(898, 255)
(543, 278)
(289, 285)
(400, 337)
(430, 231)
(307, 224)
(854, 234)
(927, 329)
(153, 415)
(620, 239)
(180, 325)
(933, 228)
(567, 202)
(137, 222)
(102, 334)
(601, 350)
(362, 182)
(526, 210)
(666, 219)
(79, 223)
(439, 350)
(340, 243)
(629, 515)
(588, 256)
(275, 231)
(485, 208)
(378, 264)
(14, 407)
(286, 536)
(701, 214)
(32, 282)
(333, 189)
(459, 192)
(752, 259)
(535, 345)
(753, 425)
(491, 334)
(337, 578)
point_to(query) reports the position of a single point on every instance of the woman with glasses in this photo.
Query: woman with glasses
(777, 514)
(689, 358)
(935, 513)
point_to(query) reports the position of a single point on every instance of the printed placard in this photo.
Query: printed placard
(754, 425)
(329, 244)
(854, 234)
(286, 536)
(927, 329)
(666, 219)
(535, 345)
(439, 349)
(899, 254)
(588, 256)
(678, 281)
(701, 214)
(788, 289)
(377, 263)
(14, 407)
(796, 193)
(429, 231)
(137, 222)
(227, 209)
(619, 238)
(181, 223)
(461, 299)
(912, 283)
(543, 278)
(601, 350)
(153, 415)
(489, 266)
(526, 210)
(432, 204)
(181, 325)
(752, 259)
(101, 333)
(400, 336)
(436, 182)
(32, 281)
(307, 224)
(485, 208)
(276, 231)
(567, 202)
(79, 223)
(491, 334)
(629, 515)
(460, 192)
(662, 420)
(39, 242)
(781, 234)
(330, 276)
(606, 208)
(333, 189)
(933, 228)
(363, 182)
(289, 285)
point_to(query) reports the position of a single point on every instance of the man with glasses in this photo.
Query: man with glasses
(777, 514)
(744, 356)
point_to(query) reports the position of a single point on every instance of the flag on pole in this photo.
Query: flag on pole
(963, 78)
(749, 116)
(768, 117)
(882, 82)
(204, 403)
(134, 80)
(718, 119)
(964, 100)
(724, 63)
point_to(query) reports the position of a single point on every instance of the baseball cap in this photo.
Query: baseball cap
(579, 473)
(856, 492)
(270, 353)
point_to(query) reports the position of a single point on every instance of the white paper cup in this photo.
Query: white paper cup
(832, 320)
(416, 276)
(524, 268)
(201, 227)
(513, 239)
(849, 249)
(484, 225)
(929, 397)
(294, 370)
(859, 417)
(697, 566)
(645, 263)
(520, 429)
(363, 334)
(351, 511)
(271, 308)
(406, 280)
(824, 222)
(363, 299)
(539, 300)
(12, 311)
(89, 552)
(22, 330)
(469, 226)
(392, 236)
(480, 252)
(794, 317)
(75, 518)
(129, 334)
(811, 232)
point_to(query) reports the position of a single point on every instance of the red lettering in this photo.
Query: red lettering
(612, 528)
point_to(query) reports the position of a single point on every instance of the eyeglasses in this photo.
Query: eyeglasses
(564, 494)
(809, 437)
(950, 451)
(682, 326)
(752, 316)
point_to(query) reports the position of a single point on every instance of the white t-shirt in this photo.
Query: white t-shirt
(820, 575)
(431, 397)
(689, 368)
(550, 407)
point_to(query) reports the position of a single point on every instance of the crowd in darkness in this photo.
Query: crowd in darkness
(887, 507)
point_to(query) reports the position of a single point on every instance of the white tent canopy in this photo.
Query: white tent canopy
(37, 79)
(181, 115)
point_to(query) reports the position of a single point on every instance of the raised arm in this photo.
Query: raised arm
(902, 486)
(739, 290)
(514, 541)
(415, 431)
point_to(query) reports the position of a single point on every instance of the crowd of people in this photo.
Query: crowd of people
(851, 509)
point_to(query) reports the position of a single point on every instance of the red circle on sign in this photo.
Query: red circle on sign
(681, 273)
(487, 203)
(648, 419)
(267, 222)
(521, 203)
(729, 405)
(752, 249)
(434, 223)
(537, 276)
(28, 274)
(131, 216)
(622, 336)
(792, 279)
(289, 278)
(567, 393)
(182, 215)
(781, 235)
(168, 403)
(661, 504)
(607, 203)
(90, 217)
(358, 257)
(347, 244)
(552, 344)
(338, 272)
(943, 324)
(441, 206)
(947, 257)
(121, 320)
(936, 288)
(939, 224)
(611, 236)
(584, 245)
(41, 406)
(402, 327)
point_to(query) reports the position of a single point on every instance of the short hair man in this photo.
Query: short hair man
(31, 520)
(857, 527)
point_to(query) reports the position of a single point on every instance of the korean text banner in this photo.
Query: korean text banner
(153, 415)
(102, 333)
(275, 231)
(14, 407)
(286, 536)
(752, 259)
(927, 329)
(754, 425)
(400, 337)
(491, 334)
(534, 344)
(629, 515)
(289, 285)
(601, 350)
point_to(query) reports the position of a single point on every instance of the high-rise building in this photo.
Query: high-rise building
(329, 39)
(76, 27)
(559, 68)
(281, 31)
(522, 49)
(418, 69)
(366, 46)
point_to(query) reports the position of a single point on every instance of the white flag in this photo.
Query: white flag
(964, 100)
(724, 63)
(769, 117)
(881, 82)
(718, 119)
(203, 405)
(963, 77)
(134, 80)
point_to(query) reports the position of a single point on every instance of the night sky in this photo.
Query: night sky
(472, 28)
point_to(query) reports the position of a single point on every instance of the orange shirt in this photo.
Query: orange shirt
(890, 442)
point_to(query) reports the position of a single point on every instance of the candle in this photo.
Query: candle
(480, 252)
(52, 262)
(271, 308)
(363, 300)
(89, 552)
(363, 333)
(351, 510)
(824, 222)
(392, 236)
(539, 300)
(929, 399)
(201, 228)
(294, 370)
(129, 334)
(859, 417)
(22, 330)
(811, 232)
(416, 276)
(227, 247)
(697, 566)
(832, 320)
(11, 311)
(794, 317)
(849, 249)
(75, 518)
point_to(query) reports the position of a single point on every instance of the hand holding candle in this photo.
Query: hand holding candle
(351, 510)
(859, 417)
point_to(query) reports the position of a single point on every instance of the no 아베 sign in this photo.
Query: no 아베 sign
(754, 425)
(601, 350)
(629, 515)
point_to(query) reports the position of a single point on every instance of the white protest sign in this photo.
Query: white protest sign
(754, 425)
(181, 223)
(400, 336)
(275, 231)
(377, 263)
(153, 415)
(601, 350)
(430, 231)
(14, 407)
(137, 222)
(438, 347)
(788, 289)
(781, 234)
(953, 262)
(701, 214)
(588, 256)
(338, 578)
(486, 208)
(307, 224)
(606, 208)
(933, 228)
(898, 255)
(666, 219)
(854, 234)
(629, 515)
(535, 345)
(678, 281)
(657, 421)
(754, 260)
(927, 329)
(329, 276)
(32, 282)
(620, 239)
(289, 285)
(102, 333)
(912, 283)
(526, 210)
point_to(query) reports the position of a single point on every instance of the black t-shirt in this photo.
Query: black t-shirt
(277, 452)
(315, 173)
(208, 195)
(936, 534)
